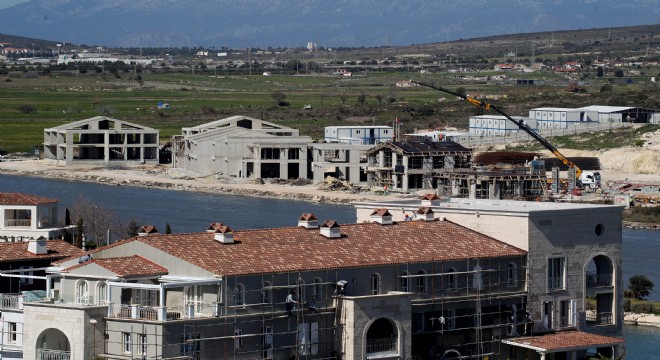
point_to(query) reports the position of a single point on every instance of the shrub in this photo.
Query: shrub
(626, 305)
(27, 109)
(642, 308)
(283, 103)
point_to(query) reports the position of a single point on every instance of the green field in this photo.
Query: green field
(31, 101)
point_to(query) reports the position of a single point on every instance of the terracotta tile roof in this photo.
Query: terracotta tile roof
(57, 249)
(560, 341)
(148, 229)
(24, 199)
(129, 266)
(307, 217)
(296, 248)
(381, 212)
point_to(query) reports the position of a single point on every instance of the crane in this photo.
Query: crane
(521, 124)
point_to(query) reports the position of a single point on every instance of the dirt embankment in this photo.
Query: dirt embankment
(160, 177)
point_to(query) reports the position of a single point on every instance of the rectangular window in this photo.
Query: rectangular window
(142, 344)
(13, 332)
(511, 275)
(308, 338)
(26, 281)
(417, 322)
(548, 319)
(564, 313)
(126, 341)
(294, 153)
(556, 273)
(450, 319)
(190, 346)
(267, 342)
(238, 340)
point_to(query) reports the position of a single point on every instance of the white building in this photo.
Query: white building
(496, 125)
(363, 135)
(563, 118)
(24, 216)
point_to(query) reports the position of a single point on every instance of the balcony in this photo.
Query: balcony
(598, 280)
(381, 345)
(18, 222)
(594, 319)
(11, 301)
(46, 354)
(159, 313)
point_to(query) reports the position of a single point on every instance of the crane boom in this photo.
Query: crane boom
(520, 124)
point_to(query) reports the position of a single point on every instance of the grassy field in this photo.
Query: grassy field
(30, 101)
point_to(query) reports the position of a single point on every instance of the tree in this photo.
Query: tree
(168, 229)
(362, 99)
(618, 73)
(640, 286)
(97, 220)
(132, 229)
(278, 96)
(599, 71)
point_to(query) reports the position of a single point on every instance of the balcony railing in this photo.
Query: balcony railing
(381, 345)
(46, 354)
(11, 301)
(597, 280)
(18, 222)
(157, 313)
(603, 318)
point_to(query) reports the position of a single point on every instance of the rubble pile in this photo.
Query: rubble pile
(334, 184)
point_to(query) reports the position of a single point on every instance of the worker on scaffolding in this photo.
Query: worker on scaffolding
(290, 302)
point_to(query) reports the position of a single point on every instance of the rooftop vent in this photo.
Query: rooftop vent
(430, 200)
(381, 216)
(224, 234)
(425, 213)
(330, 229)
(308, 221)
(147, 230)
(38, 246)
(214, 226)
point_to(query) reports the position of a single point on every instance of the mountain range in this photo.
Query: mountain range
(293, 23)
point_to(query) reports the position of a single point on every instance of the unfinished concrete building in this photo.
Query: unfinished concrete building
(101, 140)
(519, 183)
(412, 166)
(342, 161)
(242, 146)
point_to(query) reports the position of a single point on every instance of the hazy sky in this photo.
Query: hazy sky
(7, 3)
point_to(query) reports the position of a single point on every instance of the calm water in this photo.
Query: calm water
(190, 212)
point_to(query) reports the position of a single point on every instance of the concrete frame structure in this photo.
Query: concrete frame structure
(245, 147)
(574, 255)
(411, 166)
(101, 140)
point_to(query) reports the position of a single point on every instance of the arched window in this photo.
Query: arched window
(301, 290)
(82, 292)
(451, 279)
(318, 289)
(267, 293)
(101, 293)
(511, 274)
(421, 281)
(239, 295)
(403, 282)
(375, 284)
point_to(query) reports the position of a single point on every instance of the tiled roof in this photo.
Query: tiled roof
(57, 249)
(296, 248)
(421, 147)
(130, 266)
(562, 340)
(24, 199)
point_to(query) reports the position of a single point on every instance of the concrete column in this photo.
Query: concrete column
(494, 190)
(106, 146)
(473, 189)
(381, 158)
(284, 170)
(455, 187)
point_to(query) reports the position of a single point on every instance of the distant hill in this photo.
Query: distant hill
(349, 23)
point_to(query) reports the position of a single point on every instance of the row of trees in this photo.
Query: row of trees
(97, 226)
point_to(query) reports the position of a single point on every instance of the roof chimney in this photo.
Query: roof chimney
(224, 234)
(147, 230)
(430, 200)
(330, 229)
(381, 216)
(425, 213)
(308, 221)
(214, 226)
(38, 246)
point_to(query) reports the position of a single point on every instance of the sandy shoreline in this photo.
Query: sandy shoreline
(641, 319)
(164, 177)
